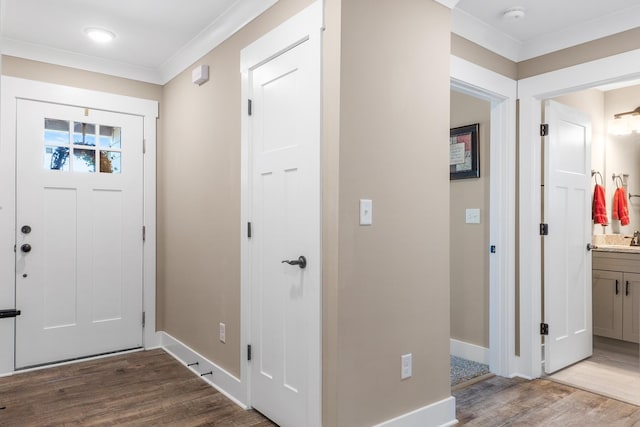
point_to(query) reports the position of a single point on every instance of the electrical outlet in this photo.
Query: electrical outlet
(223, 333)
(406, 366)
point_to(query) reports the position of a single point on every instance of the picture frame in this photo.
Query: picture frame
(464, 158)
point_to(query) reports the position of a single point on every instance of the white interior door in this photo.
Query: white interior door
(567, 260)
(79, 253)
(285, 212)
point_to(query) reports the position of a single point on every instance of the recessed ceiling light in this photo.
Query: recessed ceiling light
(99, 35)
(514, 14)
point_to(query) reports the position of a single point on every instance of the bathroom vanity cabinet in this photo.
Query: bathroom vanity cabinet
(616, 294)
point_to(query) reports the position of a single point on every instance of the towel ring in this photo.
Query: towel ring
(617, 179)
(595, 175)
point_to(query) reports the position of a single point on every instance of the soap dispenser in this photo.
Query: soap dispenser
(636, 238)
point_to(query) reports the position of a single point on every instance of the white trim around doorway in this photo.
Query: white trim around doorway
(531, 92)
(500, 91)
(13, 88)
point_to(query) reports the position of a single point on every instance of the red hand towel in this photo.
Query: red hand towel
(599, 209)
(620, 208)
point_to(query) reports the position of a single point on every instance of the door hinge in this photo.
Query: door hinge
(249, 352)
(144, 318)
(249, 230)
(9, 313)
(544, 129)
(144, 146)
(14, 248)
(250, 106)
(144, 233)
(544, 229)
(492, 249)
(544, 329)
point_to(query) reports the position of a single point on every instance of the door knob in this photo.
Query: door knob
(26, 248)
(590, 246)
(26, 229)
(300, 262)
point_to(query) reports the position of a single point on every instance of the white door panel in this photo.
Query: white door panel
(285, 211)
(80, 191)
(567, 262)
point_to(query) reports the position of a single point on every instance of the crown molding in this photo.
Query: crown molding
(448, 3)
(490, 38)
(236, 17)
(483, 34)
(37, 52)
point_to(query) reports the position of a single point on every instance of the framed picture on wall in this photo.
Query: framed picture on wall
(464, 159)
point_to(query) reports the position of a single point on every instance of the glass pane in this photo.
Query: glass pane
(56, 158)
(84, 133)
(56, 131)
(84, 160)
(110, 161)
(110, 137)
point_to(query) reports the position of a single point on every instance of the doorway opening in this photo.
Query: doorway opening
(613, 369)
(470, 211)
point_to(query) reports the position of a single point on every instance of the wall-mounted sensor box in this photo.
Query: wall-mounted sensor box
(200, 74)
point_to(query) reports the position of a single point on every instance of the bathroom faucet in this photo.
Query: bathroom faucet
(636, 238)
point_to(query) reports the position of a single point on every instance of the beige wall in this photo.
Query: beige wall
(597, 49)
(478, 55)
(393, 276)
(469, 266)
(199, 198)
(623, 155)
(41, 71)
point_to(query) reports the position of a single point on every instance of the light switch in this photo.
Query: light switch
(472, 216)
(366, 212)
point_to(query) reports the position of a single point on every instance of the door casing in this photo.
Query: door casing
(531, 92)
(304, 26)
(13, 88)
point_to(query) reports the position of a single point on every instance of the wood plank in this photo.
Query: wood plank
(143, 388)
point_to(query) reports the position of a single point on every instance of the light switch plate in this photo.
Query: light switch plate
(472, 216)
(366, 212)
(406, 366)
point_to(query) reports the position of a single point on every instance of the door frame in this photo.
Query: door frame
(305, 25)
(12, 89)
(531, 92)
(501, 92)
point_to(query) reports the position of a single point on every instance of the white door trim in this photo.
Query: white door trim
(500, 91)
(13, 88)
(304, 26)
(531, 92)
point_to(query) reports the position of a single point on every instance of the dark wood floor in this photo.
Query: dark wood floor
(152, 389)
(138, 389)
(501, 401)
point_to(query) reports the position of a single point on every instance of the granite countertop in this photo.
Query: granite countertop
(614, 243)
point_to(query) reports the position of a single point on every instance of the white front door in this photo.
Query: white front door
(79, 213)
(567, 260)
(284, 141)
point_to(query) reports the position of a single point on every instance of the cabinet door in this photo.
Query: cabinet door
(631, 308)
(608, 290)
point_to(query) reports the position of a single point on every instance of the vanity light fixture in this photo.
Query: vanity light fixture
(625, 123)
(99, 35)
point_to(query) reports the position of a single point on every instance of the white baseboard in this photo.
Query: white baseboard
(469, 351)
(221, 380)
(442, 413)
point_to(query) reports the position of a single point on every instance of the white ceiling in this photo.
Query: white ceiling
(157, 39)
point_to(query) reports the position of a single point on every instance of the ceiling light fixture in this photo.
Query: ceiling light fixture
(99, 35)
(625, 123)
(513, 14)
